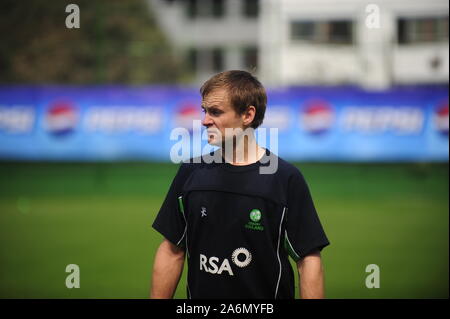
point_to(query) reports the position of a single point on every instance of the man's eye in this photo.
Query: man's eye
(213, 112)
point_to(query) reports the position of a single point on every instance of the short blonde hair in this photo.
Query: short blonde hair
(244, 90)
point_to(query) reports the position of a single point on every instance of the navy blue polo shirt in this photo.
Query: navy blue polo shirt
(239, 226)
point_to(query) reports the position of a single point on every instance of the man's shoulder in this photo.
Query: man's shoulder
(198, 162)
(285, 168)
(192, 164)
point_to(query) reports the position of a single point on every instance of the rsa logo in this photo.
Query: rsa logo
(240, 257)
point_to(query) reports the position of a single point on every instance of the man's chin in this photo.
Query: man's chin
(213, 141)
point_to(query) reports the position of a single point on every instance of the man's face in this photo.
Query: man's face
(219, 115)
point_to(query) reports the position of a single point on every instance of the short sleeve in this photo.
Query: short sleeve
(304, 232)
(170, 221)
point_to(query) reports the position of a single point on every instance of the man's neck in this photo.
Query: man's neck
(245, 151)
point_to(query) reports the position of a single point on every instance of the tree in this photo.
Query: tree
(117, 42)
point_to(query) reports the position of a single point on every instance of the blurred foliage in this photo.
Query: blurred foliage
(118, 42)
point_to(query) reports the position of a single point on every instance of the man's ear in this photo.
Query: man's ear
(249, 115)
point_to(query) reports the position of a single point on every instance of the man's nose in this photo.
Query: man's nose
(207, 121)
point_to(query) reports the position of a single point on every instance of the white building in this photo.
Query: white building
(212, 35)
(303, 42)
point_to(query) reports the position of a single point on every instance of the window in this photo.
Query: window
(191, 9)
(205, 59)
(217, 59)
(303, 30)
(250, 8)
(217, 8)
(420, 30)
(192, 56)
(340, 32)
(333, 32)
(250, 58)
(205, 8)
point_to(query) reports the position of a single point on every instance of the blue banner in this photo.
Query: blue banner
(135, 123)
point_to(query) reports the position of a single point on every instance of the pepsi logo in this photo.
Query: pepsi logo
(186, 114)
(317, 117)
(61, 119)
(441, 118)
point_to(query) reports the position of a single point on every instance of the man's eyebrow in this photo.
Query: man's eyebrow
(203, 106)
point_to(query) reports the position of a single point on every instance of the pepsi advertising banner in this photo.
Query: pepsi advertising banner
(307, 123)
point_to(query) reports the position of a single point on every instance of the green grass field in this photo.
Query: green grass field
(99, 217)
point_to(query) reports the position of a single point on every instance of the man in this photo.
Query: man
(235, 225)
